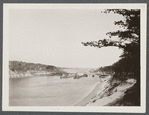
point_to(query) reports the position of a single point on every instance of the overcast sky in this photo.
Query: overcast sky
(54, 37)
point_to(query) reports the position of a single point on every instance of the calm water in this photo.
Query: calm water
(48, 91)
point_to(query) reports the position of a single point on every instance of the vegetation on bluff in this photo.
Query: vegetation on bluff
(19, 65)
(129, 40)
(24, 69)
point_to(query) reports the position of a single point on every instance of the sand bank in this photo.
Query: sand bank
(100, 96)
(91, 95)
(117, 94)
(97, 89)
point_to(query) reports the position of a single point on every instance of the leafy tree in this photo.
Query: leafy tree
(129, 41)
(129, 37)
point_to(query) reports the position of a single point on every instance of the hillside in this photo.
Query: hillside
(19, 65)
(24, 69)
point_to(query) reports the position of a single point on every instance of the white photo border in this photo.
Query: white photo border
(5, 76)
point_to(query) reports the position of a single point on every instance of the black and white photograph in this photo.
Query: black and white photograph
(74, 57)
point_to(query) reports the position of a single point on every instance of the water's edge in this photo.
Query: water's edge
(21, 90)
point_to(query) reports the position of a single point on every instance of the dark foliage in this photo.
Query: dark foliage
(23, 66)
(51, 68)
(129, 40)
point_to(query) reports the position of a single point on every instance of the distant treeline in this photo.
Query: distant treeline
(24, 66)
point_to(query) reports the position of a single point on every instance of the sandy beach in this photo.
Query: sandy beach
(93, 93)
(97, 89)
(100, 96)
(113, 98)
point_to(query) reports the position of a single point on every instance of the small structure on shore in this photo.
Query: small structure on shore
(68, 75)
(79, 75)
(64, 76)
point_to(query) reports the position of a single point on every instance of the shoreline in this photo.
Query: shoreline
(100, 97)
(87, 98)
(112, 99)
(98, 88)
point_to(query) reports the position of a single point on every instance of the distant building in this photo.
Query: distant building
(64, 76)
(71, 75)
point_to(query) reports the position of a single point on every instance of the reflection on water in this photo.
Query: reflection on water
(48, 91)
